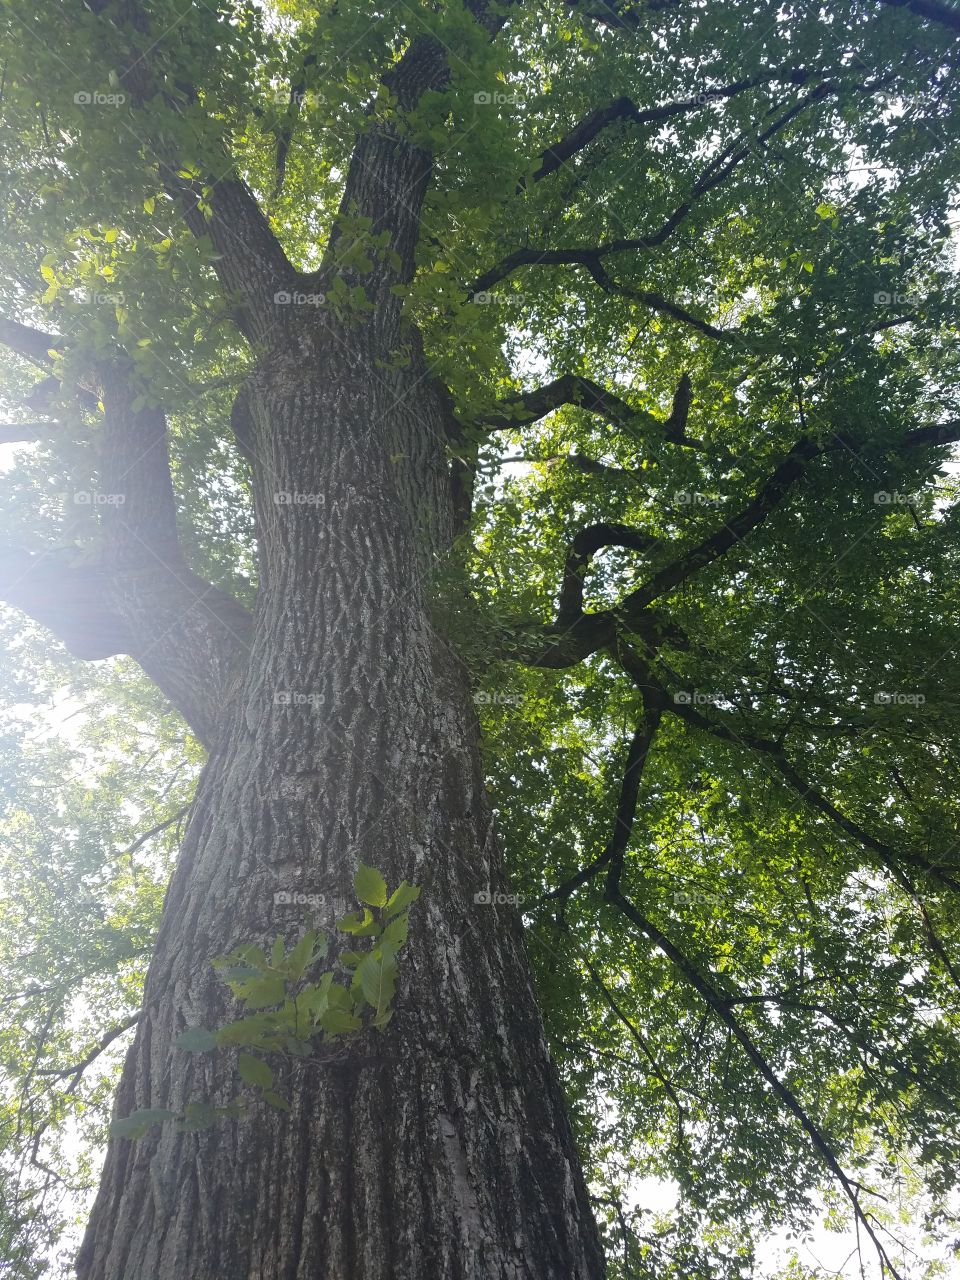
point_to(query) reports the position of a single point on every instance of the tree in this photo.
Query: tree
(291, 280)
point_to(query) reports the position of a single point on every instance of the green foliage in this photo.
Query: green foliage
(847, 973)
(289, 1017)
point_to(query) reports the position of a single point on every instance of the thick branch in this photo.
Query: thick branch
(70, 600)
(188, 635)
(564, 645)
(139, 597)
(32, 344)
(250, 263)
(529, 406)
(26, 432)
(585, 545)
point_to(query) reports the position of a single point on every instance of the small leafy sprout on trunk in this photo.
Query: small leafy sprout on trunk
(289, 1015)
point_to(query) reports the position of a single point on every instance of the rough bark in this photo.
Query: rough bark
(440, 1148)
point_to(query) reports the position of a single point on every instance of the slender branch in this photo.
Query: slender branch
(637, 756)
(623, 15)
(768, 497)
(107, 1039)
(633, 1031)
(720, 1006)
(773, 750)
(716, 172)
(625, 109)
(144, 836)
(656, 302)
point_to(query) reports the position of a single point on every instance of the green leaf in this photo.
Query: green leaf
(256, 1030)
(402, 897)
(377, 978)
(370, 886)
(395, 934)
(361, 925)
(254, 1071)
(198, 1115)
(196, 1040)
(263, 992)
(276, 1100)
(139, 1123)
(336, 1021)
(312, 945)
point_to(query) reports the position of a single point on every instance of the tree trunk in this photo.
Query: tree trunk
(441, 1147)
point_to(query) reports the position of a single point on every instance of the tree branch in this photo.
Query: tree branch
(529, 406)
(250, 262)
(26, 432)
(773, 750)
(720, 1005)
(640, 746)
(570, 388)
(556, 645)
(107, 1039)
(585, 544)
(947, 15)
(591, 257)
(139, 597)
(32, 344)
(625, 109)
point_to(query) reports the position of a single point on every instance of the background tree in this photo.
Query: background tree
(592, 367)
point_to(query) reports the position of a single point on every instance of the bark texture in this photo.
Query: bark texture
(439, 1149)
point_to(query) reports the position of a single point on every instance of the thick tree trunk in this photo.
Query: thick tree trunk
(440, 1148)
